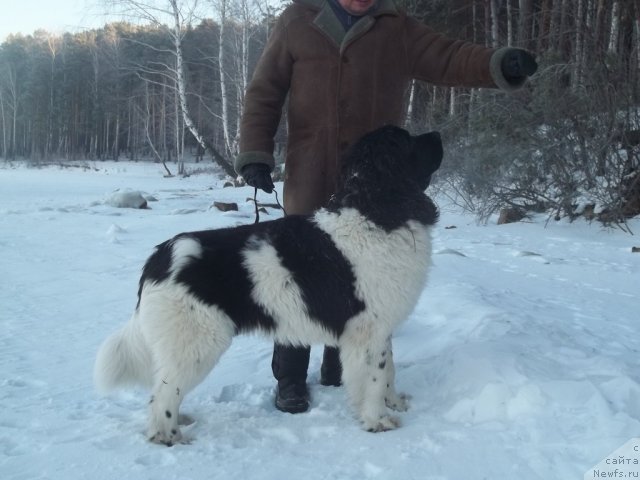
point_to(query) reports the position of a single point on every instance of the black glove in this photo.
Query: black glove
(258, 175)
(518, 63)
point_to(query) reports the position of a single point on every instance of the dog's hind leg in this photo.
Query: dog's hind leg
(395, 401)
(186, 344)
(178, 374)
(163, 410)
(365, 377)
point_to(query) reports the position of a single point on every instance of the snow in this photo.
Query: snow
(521, 357)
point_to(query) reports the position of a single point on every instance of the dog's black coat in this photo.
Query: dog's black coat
(220, 278)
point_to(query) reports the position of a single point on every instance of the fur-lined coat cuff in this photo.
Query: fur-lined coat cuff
(246, 158)
(502, 82)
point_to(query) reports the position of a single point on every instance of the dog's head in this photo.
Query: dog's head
(391, 156)
(385, 174)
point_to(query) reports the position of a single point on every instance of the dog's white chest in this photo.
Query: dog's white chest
(390, 267)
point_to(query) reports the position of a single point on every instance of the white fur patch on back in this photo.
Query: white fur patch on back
(183, 251)
(276, 291)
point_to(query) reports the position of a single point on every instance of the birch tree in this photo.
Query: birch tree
(178, 32)
(635, 77)
(237, 26)
(3, 119)
(494, 23)
(13, 101)
(247, 23)
(524, 23)
(554, 27)
(179, 15)
(578, 53)
(615, 27)
(409, 116)
(224, 95)
(510, 36)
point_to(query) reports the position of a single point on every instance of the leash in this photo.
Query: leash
(255, 204)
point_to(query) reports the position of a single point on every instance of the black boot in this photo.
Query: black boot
(289, 365)
(331, 369)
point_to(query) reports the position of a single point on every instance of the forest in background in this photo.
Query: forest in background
(168, 83)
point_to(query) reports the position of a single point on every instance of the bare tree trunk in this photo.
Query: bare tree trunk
(554, 28)
(524, 23)
(176, 106)
(148, 119)
(487, 23)
(408, 118)
(52, 50)
(93, 143)
(562, 30)
(154, 14)
(13, 90)
(494, 24)
(434, 101)
(598, 36)
(635, 75)
(615, 27)
(4, 126)
(163, 121)
(452, 102)
(544, 26)
(510, 36)
(224, 97)
(238, 81)
(116, 139)
(474, 20)
(244, 66)
(182, 95)
(106, 133)
(579, 44)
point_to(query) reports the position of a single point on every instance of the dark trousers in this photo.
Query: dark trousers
(291, 363)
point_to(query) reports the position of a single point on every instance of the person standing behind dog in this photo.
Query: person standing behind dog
(345, 66)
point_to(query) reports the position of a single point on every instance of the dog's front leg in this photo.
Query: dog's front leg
(365, 379)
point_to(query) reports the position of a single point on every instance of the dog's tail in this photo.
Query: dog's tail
(123, 359)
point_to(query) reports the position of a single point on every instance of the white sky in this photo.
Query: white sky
(26, 16)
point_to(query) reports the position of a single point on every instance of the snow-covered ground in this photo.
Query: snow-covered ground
(522, 356)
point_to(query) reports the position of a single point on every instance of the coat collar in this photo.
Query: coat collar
(327, 22)
(383, 6)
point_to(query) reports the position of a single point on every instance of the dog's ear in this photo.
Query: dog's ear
(426, 157)
(429, 151)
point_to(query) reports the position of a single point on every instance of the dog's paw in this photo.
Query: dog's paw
(398, 402)
(382, 424)
(169, 439)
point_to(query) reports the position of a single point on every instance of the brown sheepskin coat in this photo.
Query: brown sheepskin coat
(340, 86)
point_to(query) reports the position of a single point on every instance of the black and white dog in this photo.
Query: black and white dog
(345, 276)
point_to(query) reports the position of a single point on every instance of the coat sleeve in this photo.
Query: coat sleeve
(264, 100)
(440, 60)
